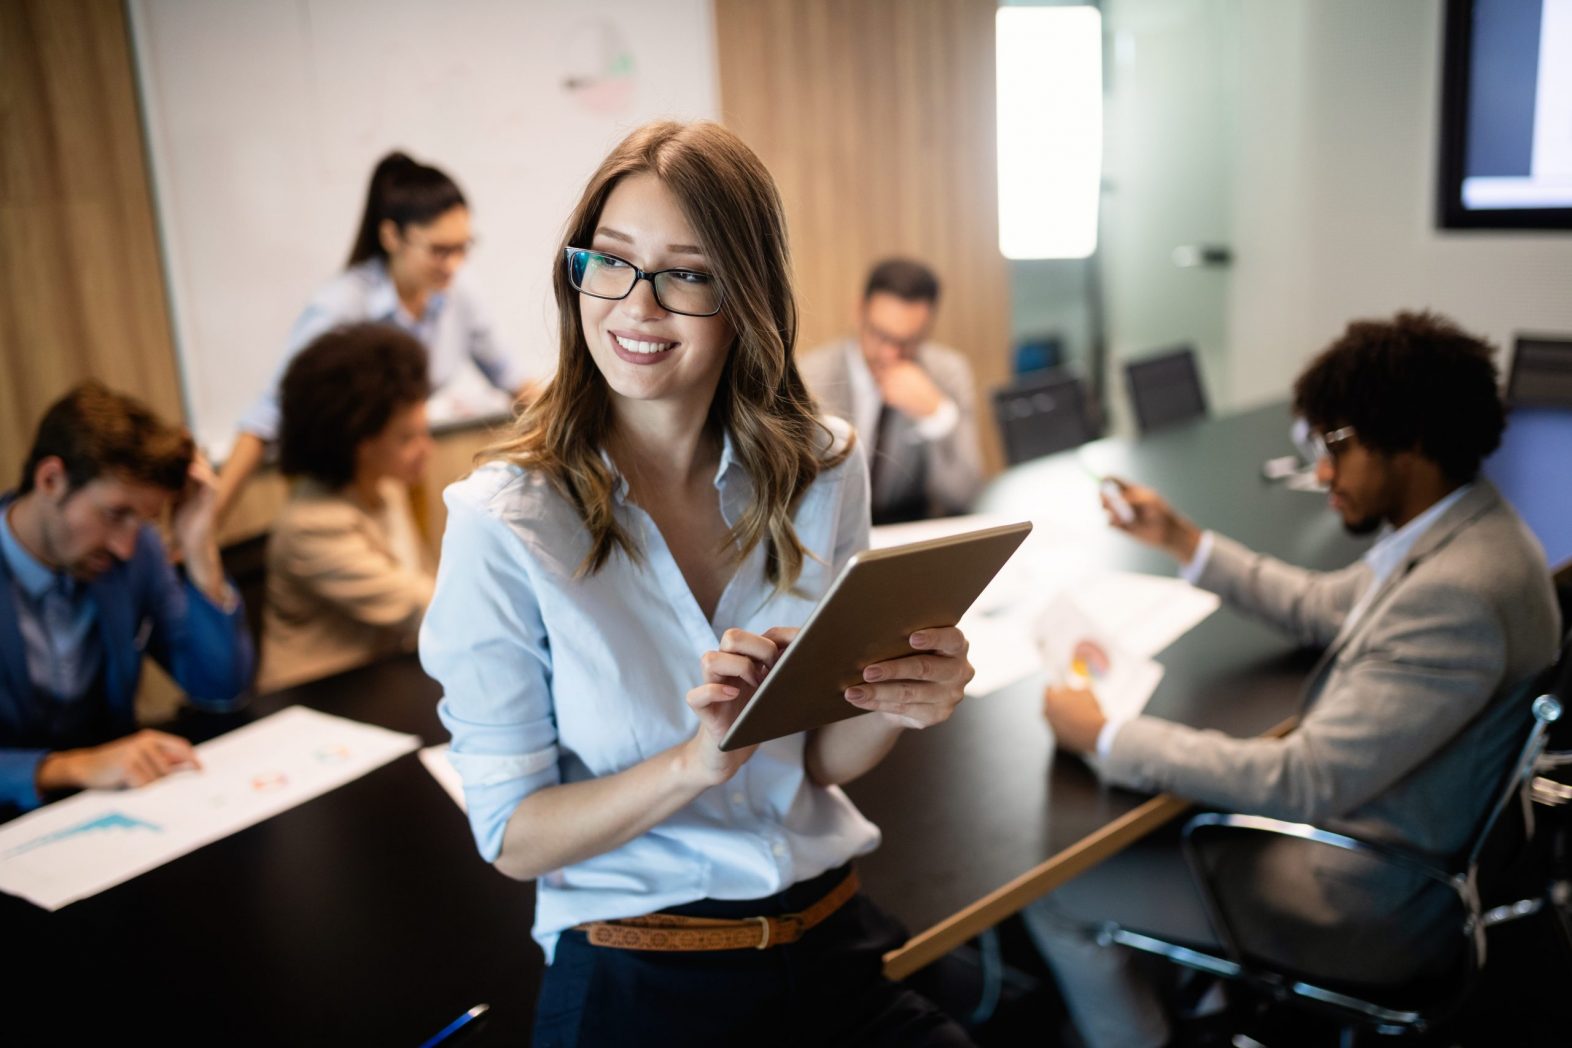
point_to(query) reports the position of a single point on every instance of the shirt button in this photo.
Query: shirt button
(738, 797)
(778, 848)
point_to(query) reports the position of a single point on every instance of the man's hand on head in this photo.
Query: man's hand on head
(193, 524)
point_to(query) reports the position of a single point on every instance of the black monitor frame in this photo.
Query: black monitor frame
(1457, 51)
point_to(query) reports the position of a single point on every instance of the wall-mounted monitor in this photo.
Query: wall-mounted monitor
(1506, 115)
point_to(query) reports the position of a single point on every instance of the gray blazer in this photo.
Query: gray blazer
(1395, 741)
(946, 473)
(1405, 730)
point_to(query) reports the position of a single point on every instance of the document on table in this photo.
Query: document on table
(1079, 653)
(97, 839)
(435, 758)
(1144, 613)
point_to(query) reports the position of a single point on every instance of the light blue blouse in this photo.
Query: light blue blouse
(453, 327)
(551, 677)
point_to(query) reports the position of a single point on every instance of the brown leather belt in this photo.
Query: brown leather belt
(665, 931)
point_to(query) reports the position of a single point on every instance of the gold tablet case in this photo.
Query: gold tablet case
(879, 599)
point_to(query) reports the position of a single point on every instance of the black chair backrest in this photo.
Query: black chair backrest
(1541, 373)
(1165, 389)
(1040, 415)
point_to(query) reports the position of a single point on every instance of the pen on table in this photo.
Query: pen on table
(457, 1024)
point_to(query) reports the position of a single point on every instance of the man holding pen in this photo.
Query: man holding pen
(1405, 726)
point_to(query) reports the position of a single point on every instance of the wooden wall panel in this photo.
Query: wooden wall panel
(81, 288)
(877, 119)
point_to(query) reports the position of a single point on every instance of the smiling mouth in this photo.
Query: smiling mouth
(643, 348)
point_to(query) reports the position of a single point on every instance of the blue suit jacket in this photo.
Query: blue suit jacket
(143, 608)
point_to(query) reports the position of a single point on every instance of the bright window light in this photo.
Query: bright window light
(1050, 62)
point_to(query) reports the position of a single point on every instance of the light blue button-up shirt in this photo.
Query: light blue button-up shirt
(57, 620)
(552, 677)
(453, 327)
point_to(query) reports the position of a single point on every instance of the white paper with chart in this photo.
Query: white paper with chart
(97, 839)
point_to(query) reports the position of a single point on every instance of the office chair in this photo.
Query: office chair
(1165, 389)
(1551, 791)
(1042, 414)
(1472, 886)
(1541, 372)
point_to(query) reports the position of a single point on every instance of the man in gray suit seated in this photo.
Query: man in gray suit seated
(909, 399)
(1404, 730)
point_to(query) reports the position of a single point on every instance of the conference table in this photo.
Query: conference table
(365, 915)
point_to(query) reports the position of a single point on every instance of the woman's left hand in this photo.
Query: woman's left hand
(922, 689)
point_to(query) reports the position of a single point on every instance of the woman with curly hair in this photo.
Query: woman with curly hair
(348, 576)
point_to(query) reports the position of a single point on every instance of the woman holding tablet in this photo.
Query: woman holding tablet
(413, 239)
(614, 582)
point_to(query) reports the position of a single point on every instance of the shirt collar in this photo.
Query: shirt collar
(728, 461)
(1393, 547)
(382, 302)
(30, 573)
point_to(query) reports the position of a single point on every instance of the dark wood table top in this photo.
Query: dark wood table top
(978, 815)
(365, 916)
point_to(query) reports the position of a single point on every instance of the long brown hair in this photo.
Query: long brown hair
(728, 195)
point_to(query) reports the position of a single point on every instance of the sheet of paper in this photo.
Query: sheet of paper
(1145, 612)
(97, 839)
(435, 758)
(1001, 652)
(1079, 652)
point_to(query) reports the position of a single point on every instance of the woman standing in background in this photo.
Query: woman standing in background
(413, 239)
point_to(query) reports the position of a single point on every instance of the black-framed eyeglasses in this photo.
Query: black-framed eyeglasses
(1317, 446)
(685, 291)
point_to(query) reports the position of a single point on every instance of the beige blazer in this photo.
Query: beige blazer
(344, 586)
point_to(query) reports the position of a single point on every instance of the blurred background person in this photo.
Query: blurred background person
(87, 587)
(413, 240)
(348, 577)
(910, 399)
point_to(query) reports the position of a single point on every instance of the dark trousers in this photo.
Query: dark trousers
(825, 989)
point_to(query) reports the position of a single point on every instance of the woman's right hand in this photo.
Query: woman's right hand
(731, 675)
(1152, 520)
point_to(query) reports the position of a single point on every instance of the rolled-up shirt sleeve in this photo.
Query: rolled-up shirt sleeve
(484, 641)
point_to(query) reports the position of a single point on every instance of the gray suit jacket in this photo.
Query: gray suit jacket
(945, 474)
(1405, 731)
(1394, 742)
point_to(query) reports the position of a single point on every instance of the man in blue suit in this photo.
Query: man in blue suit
(86, 589)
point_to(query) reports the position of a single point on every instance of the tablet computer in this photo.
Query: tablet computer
(879, 600)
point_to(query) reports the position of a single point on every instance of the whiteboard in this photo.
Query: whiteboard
(264, 119)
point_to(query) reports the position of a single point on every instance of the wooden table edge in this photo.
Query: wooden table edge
(928, 946)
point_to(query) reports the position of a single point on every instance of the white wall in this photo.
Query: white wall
(265, 119)
(1334, 194)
